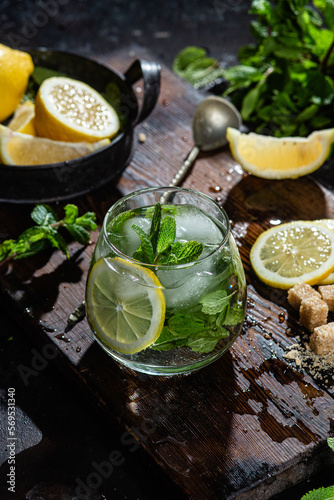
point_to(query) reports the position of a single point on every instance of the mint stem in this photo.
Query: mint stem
(324, 63)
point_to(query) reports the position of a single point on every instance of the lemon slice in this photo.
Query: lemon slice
(329, 280)
(15, 69)
(70, 110)
(280, 158)
(125, 305)
(293, 253)
(23, 119)
(24, 149)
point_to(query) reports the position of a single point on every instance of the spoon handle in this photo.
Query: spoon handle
(185, 167)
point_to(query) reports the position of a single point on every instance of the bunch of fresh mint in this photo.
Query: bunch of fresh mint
(283, 85)
(45, 233)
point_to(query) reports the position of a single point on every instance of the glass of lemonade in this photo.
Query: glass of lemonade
(166, 289)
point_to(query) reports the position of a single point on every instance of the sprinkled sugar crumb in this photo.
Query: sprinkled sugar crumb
(320, 367)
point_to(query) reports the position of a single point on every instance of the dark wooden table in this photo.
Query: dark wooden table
(251, 424)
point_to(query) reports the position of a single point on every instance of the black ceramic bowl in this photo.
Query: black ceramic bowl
(59, 181)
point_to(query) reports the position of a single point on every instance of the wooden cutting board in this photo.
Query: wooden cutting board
(251, 424)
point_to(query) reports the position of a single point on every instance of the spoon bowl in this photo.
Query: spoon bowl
(211, 119)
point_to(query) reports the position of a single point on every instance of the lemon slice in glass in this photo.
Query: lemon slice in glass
(293, 253)
(280, 158)
(125, 304)
(70, 110)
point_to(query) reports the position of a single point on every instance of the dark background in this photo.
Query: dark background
(61, 438)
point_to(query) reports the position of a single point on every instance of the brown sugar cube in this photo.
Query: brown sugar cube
(322, 339)
(313, 312)
(299, 292)
(327, 294)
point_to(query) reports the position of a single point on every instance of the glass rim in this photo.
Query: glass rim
(165, 189)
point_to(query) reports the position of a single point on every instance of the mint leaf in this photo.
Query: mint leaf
(206, 342)
(165, 341)
(183, 253)
(78, 233)
(235, 315)
(326, 7)
(186, 57)
(330, 442)
(33, 249)
(184, 325)
(146, 248)
(71, 213)
(56, 240)
(155, 226)
(7, 248)
(320, 494)
(215, 302)
(193, 65)
(167, 234)
(41, 73)
(87, 221)
(43, 215)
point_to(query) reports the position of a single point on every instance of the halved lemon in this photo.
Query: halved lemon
(125, 304)
(23, 119)
(280, 158)
(24, 149)
(70, 110)
(293, 253)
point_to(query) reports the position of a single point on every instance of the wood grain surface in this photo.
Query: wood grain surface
(249, 425)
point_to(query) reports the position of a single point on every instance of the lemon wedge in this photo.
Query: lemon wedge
(23, 119)
(70, 110)
(293, 253)
(15, 69)
(24, 149)
(280, 158)
(125, 305)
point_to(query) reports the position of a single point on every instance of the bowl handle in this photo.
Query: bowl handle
(150, 73)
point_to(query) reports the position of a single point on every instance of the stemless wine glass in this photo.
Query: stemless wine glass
(166, 289)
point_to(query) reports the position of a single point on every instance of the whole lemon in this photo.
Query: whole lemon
(15, 68)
